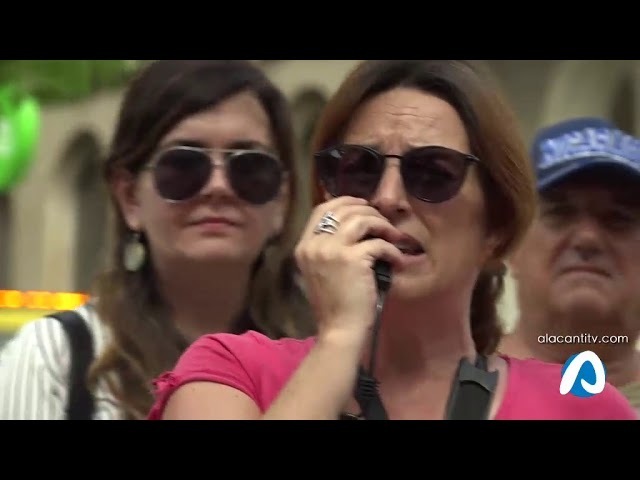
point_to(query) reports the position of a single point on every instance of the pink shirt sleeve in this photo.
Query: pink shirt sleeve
(251, 362)
(211, 358)
(615, 405)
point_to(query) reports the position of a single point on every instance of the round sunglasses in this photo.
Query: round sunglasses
(432, 174)
(181, 172)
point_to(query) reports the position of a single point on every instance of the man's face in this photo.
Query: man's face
(582, 255)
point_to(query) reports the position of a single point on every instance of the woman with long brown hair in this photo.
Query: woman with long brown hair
(202, 177)
(424, 187)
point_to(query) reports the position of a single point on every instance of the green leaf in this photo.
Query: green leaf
(66, 80)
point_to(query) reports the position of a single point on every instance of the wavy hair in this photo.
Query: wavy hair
(508, 179)
(144, 340)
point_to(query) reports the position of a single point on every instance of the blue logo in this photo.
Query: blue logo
(583, 375)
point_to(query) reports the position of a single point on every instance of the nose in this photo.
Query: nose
(218, 184)
(390, 197)
(587, 237)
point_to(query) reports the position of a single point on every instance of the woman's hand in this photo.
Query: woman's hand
(336, 264)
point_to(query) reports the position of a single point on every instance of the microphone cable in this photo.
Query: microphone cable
(367, 387)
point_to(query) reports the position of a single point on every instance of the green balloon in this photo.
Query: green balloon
(19, 135)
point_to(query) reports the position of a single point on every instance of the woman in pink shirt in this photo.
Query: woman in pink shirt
(419, 165)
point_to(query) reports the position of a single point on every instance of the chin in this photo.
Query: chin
(210, 253)
(411, 287)
(585, 305)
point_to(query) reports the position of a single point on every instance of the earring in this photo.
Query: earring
(134, 253)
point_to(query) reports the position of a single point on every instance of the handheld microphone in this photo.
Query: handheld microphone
(382, 271)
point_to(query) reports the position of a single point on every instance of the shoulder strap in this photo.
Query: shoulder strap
(80, 404)
(472, 391)
(470, 397)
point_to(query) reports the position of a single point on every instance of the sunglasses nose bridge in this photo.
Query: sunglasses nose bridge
(390, 193)
(217, 158)
(219, 178)
(391, 167)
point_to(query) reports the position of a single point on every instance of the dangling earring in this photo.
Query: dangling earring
(134, 253)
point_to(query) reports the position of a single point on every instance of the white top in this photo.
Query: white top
(34, 372)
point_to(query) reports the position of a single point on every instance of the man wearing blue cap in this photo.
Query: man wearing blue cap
(578, 270)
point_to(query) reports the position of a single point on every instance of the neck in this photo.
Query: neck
(204, 297)
(535, 338)
(422, 341)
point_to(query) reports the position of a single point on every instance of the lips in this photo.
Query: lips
(409, 245)
(585, 269)
(214, 221)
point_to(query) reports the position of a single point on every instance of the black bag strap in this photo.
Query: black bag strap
(470, 398)
(80, 404)
(472, 391)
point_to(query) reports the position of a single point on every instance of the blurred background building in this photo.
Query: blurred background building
(53, 222)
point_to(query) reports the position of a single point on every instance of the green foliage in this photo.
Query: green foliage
(66, 80)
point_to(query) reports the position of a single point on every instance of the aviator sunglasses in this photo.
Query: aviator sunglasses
(181, 172)
(432, 174)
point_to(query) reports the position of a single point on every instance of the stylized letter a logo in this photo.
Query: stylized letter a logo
(572, 371)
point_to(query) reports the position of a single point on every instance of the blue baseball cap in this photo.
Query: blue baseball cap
(575, 145)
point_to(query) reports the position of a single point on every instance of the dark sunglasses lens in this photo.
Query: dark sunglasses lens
(434, 174)
(349, 171)
(255, 177)
(180, 174)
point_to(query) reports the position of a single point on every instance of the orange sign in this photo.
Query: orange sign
(41, 300)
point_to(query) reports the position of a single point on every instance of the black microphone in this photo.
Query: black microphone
(382, 271)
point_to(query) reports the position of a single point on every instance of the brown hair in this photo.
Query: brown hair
(145, 342)
(507, 179)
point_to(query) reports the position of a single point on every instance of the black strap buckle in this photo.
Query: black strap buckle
(472, 391)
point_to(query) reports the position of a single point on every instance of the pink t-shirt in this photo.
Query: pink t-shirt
(260, 367)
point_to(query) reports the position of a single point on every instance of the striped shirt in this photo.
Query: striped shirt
(34, 372)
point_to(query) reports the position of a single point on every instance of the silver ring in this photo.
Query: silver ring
(328, 224)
